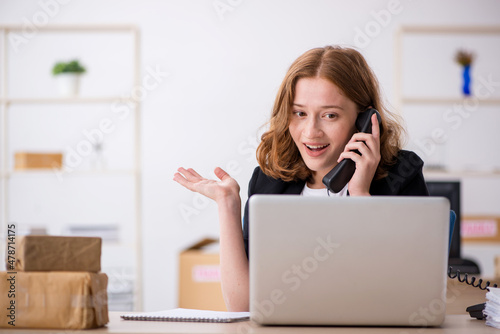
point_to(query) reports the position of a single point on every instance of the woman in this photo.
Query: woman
(312, 129)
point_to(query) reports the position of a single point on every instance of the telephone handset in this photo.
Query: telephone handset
(338, 177)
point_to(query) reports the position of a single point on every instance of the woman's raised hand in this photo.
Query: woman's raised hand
(225, 188)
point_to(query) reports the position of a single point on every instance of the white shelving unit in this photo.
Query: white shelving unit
(6, 102)
(406, 30)
(401, 100)
(479, 187)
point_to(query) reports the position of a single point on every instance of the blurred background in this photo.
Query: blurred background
(165, 84)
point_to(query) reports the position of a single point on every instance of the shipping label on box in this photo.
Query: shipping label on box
(64, 300)
(480, 229)
(205, 273)
(199, 277)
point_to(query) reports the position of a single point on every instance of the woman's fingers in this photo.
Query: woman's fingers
(192, 171)
(179, 178)
(190, 174)
(220, 173)
(187, 178)
(365, 143)
(366, 138)
(362, 147)
(349, 155)
(193, 176)
(375, 126)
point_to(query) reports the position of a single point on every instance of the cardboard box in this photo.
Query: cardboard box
(497, 266)
(25, 160)
(55, 253)
(68, 300)
(199, 277)
(480, 229)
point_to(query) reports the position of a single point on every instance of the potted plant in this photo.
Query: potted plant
(68, 77)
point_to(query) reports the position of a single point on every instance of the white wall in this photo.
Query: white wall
(223, 75)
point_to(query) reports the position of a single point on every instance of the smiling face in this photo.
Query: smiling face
(322, 122)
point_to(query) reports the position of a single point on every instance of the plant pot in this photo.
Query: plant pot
(68, 84)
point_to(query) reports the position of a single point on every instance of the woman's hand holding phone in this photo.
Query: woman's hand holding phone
(368, 145)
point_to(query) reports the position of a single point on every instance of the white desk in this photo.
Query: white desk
(454, 324)
(457, 322)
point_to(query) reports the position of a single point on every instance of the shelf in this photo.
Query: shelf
(451, 100)
(457, 174)
(65, 100)
(35, 172)
(443, 29)
(74, 28)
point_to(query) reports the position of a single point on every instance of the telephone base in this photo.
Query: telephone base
(476, 311)
(465, 266)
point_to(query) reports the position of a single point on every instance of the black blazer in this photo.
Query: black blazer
(405, 178)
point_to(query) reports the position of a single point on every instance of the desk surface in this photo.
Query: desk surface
(454, 324)
(457, 321)
(459, 296)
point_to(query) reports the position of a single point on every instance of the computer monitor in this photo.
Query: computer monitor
(451, 190)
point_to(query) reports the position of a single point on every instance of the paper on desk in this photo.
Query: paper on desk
(190, 315)
(492, 308)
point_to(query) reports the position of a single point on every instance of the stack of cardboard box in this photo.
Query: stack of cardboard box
(53, 282)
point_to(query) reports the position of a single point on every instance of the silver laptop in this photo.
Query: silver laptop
(374, 261)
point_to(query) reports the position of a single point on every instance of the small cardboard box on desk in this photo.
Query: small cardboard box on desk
(199, 277)
(53, 282)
